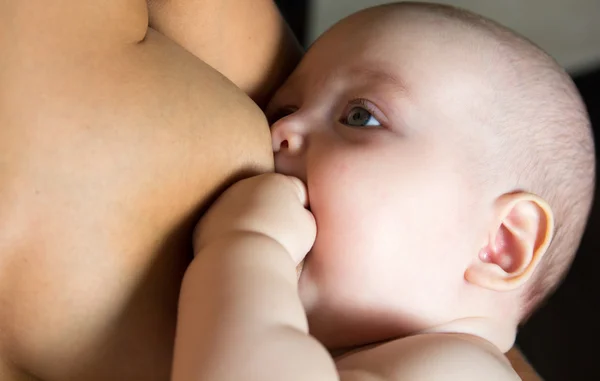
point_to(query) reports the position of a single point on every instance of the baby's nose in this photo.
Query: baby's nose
(287, 136)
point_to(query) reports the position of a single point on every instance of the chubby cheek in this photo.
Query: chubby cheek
(353, 219)
(383, 227)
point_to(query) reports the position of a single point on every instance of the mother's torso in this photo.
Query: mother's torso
(112, 140)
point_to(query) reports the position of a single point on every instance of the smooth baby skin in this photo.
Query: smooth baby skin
(241, 316)
(430, 141)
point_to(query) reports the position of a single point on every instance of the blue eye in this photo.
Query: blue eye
(360, 117)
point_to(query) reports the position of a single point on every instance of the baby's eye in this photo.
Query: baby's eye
(359, 116)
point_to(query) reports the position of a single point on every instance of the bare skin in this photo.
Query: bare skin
(240, 305)
(346, 123)
(228, 35)
(85, 293)
(522, 366)
(112, 140)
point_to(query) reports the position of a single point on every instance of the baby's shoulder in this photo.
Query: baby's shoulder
(425, 357)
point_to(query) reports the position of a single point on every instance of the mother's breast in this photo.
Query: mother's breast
(107, 154)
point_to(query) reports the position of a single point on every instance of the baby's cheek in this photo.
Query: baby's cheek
(348, 198)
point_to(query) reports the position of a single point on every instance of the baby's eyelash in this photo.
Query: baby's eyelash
(362, 102)
(367, 105)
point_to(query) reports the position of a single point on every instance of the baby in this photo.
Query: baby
(449, 169)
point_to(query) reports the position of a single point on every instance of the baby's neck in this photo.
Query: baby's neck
(501, 334)
(338, 353)
(498, 336)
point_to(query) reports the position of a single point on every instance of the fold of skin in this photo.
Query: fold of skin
(516, 358)
(299, 269)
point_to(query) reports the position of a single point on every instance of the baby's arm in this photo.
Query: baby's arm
(241, 318)
(240, 315)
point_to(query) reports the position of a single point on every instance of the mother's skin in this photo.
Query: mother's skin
(112, 139)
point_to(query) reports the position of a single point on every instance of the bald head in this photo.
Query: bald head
(542, 136)
(416, 127)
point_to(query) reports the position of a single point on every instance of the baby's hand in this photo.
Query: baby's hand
(273, 205)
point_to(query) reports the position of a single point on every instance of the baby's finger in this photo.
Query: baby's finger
(299, 268)
(301, 190)
(305, 232)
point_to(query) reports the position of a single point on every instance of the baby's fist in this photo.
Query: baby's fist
(269, 204)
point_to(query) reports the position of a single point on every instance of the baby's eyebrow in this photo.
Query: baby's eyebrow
(378, 75)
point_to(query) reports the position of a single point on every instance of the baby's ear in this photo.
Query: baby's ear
(518, 240)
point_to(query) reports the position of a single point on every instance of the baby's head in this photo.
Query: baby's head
(450, 170)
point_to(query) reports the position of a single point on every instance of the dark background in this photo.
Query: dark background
(562, 339)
